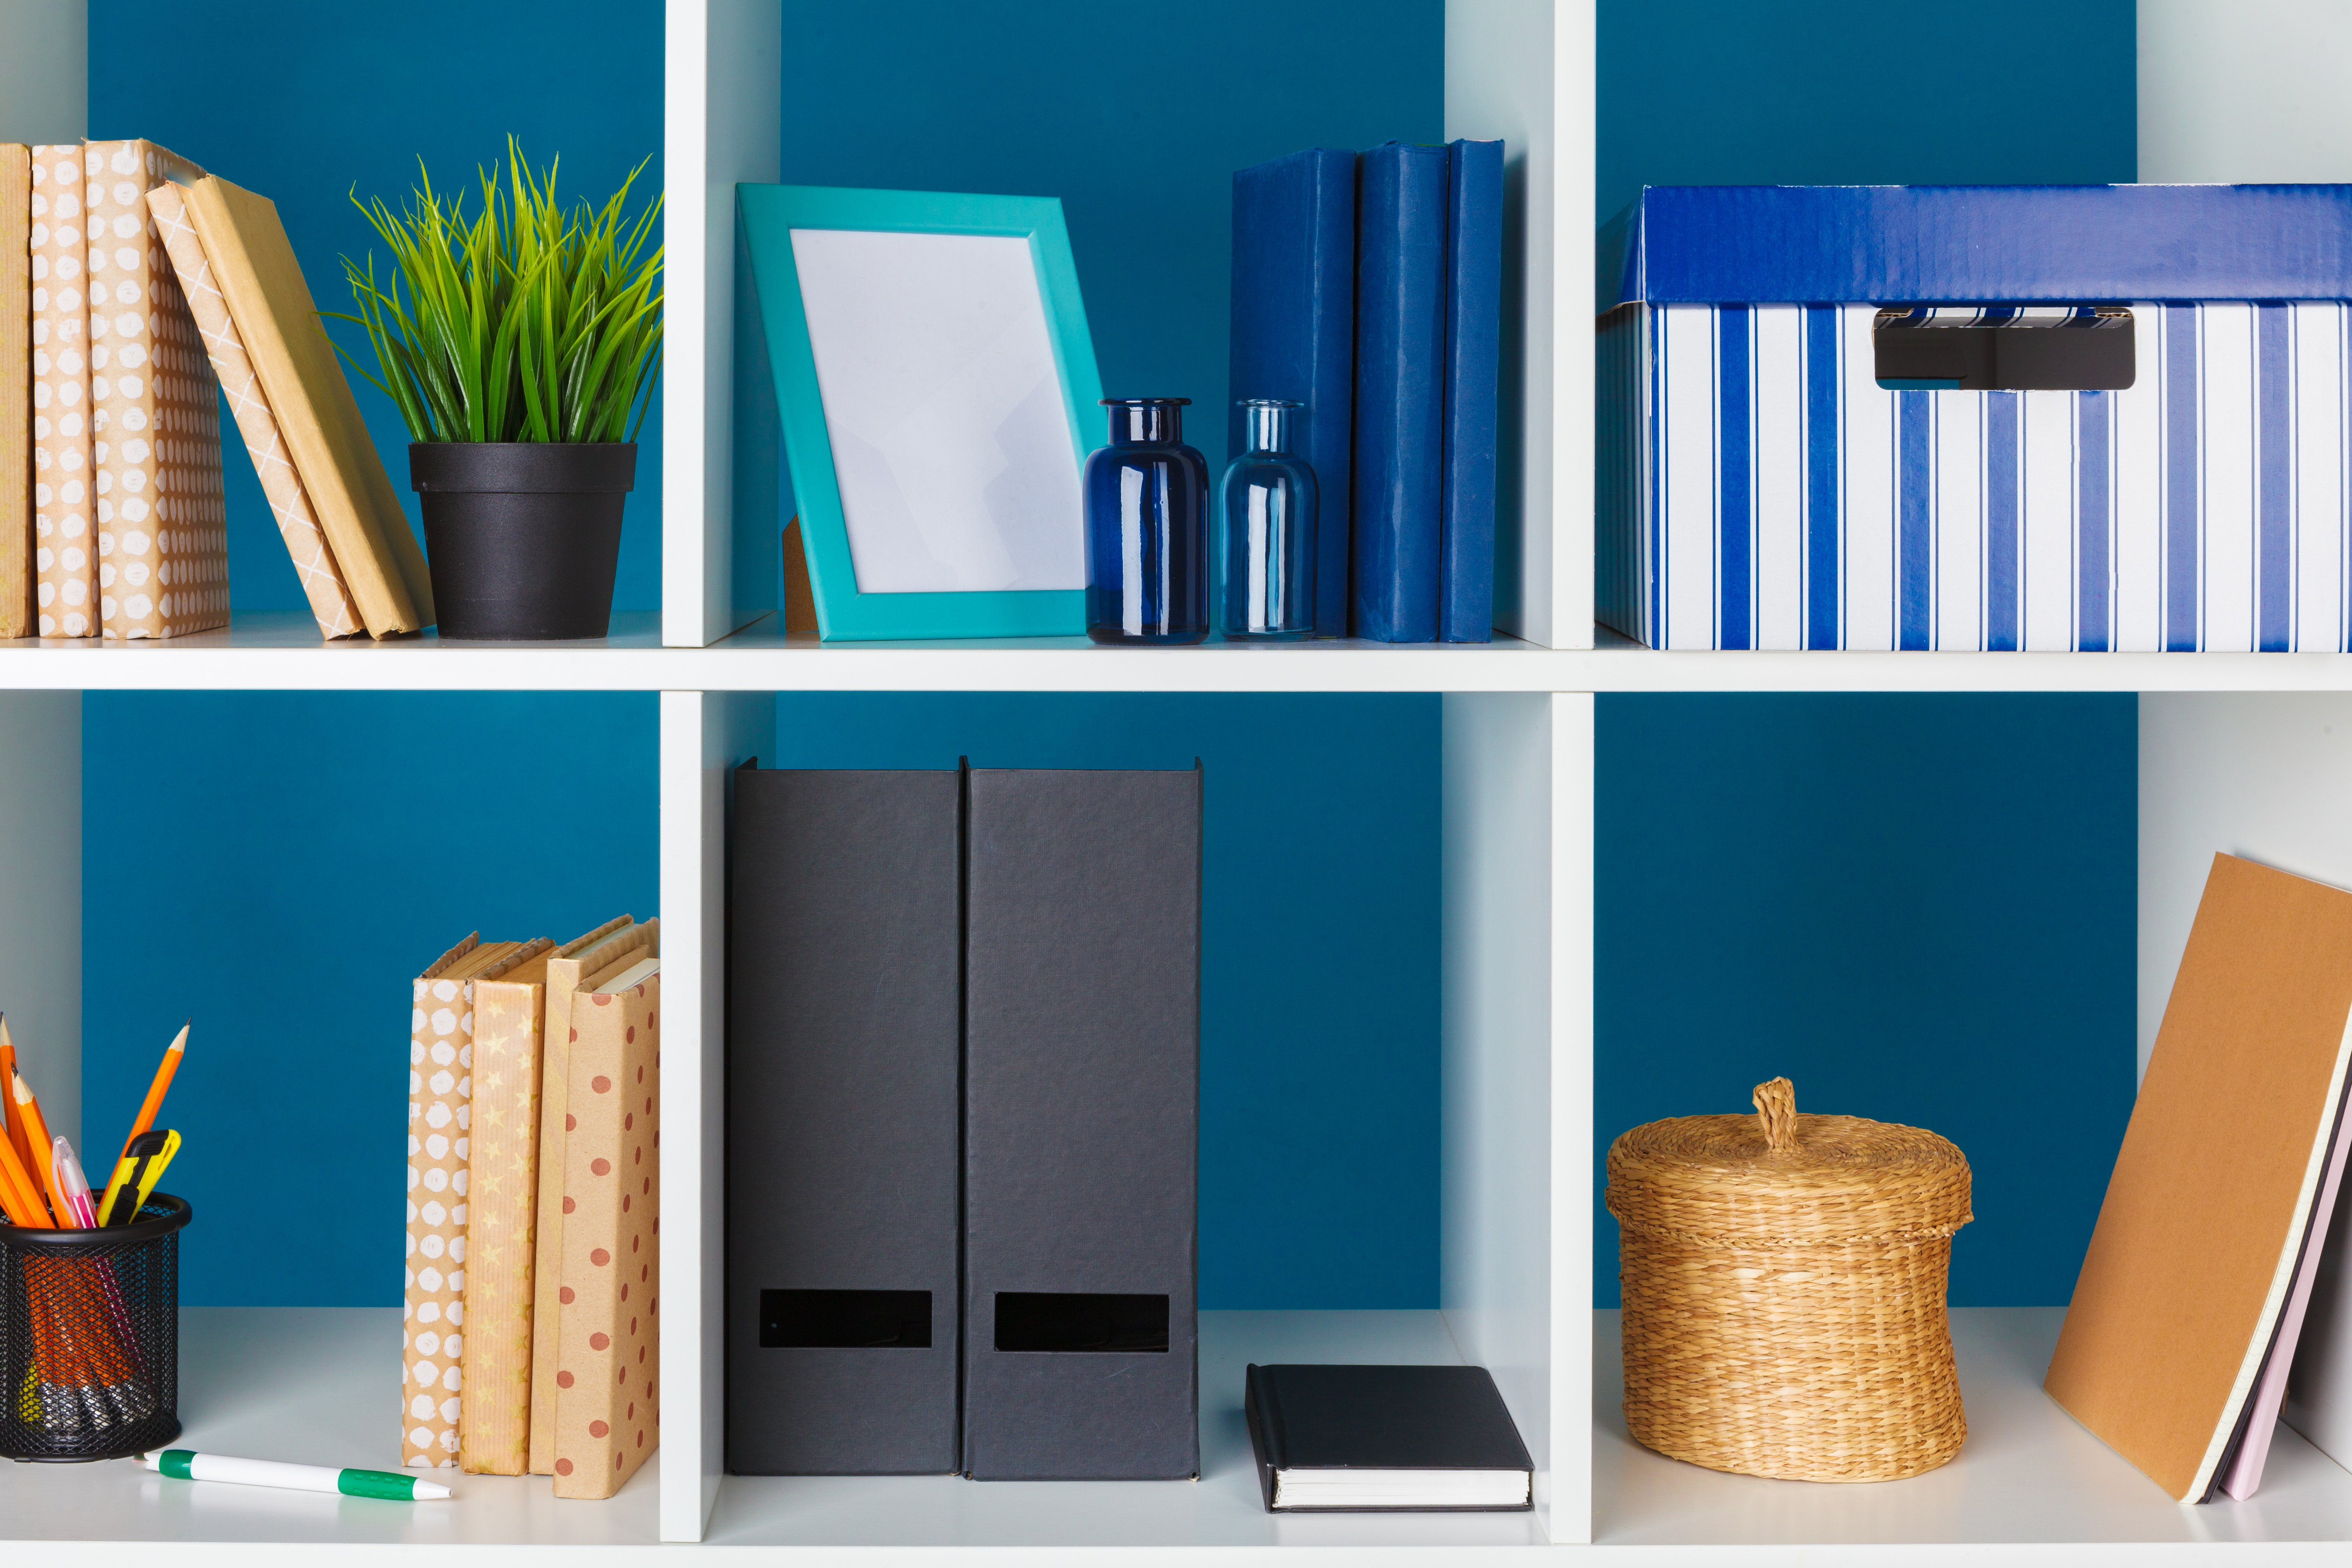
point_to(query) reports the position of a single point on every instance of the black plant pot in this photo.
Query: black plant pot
(523, 538)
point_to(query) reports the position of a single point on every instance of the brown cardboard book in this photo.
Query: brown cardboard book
(608, 1343)
(502, 1200)
(16, 390)
(154, 412)
(298, 523)
(65, 570)
(2204, 1220)
(312, 402)
(609, 946)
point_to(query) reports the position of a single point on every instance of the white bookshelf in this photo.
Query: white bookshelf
(1517, 828)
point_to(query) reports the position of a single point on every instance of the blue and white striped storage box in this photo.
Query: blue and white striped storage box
(1760, 489)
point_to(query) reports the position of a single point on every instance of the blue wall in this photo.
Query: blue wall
(287, 855)
(1318, 983)
(307, 104)
(277, 866)
(1920, 908)
(283, 864)
(1321, 1091)
(1826, 92)
(1134, 115)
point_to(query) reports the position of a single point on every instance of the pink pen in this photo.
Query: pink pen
(76, 1188)
(74, 1185)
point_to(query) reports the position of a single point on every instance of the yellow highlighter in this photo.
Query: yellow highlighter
(135, 1176)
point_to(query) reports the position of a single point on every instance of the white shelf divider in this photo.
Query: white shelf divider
(705, 736)
(1523, 70)
(40, 917)
(43, 70)
(1516, 1067)
(722, 123)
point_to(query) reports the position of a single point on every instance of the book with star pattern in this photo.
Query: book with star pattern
(494, 1438)
(440, 1125)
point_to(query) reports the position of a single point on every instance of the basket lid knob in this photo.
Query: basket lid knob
(1776, 1108)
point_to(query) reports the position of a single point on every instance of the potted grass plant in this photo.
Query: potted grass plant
(521, 343)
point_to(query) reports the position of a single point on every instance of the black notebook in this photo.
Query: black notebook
(1353, 1438)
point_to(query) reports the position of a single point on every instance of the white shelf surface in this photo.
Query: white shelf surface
(315, 1385)
(2030, 1478)
(1221, 1510)
(283, 651)
(310, 1386)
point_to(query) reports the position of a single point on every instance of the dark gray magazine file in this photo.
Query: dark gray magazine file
(843, 1103)
(1082, 1069)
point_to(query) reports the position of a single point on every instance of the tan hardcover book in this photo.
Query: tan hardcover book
(2205, 1216)
(16, 390)
(339, 469)
(574, 964)
(64, 567)
(495, 1435)
(154, 412)
(297, 524)
(608, 1349)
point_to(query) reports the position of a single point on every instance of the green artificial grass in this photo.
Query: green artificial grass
(525, 322)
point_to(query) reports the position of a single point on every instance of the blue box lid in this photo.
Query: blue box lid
(2088, 245)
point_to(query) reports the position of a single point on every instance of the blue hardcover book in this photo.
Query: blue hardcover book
(1400, 216)
(1295, 334)
(1474, 344)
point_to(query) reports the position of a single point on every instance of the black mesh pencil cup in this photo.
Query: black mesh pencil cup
(89, 1337)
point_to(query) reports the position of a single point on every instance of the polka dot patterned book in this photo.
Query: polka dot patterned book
(130, 527)
(608, 1361)
(440, 1130)
(571, 973)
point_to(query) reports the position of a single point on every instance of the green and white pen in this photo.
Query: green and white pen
(394, 1486)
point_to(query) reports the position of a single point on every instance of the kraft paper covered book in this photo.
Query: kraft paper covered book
(297, 524)
(154, 412)
(254, 265)
(16, 390)
(440, 1120)
(494, 1433)
(616, 943)
(2191, 1265)
(608, 1354)
(65, 572)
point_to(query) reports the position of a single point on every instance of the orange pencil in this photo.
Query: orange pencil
(38, 1131)
(16, 1123)
(18, 1193)
(160, 1087)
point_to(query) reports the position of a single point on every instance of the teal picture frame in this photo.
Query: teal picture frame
(769, 214)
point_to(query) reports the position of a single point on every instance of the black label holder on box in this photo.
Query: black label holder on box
(2003, 348)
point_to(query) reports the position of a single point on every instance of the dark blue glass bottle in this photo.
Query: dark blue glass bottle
(1147, 528)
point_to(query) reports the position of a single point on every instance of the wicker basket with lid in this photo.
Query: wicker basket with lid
(1784, 1280)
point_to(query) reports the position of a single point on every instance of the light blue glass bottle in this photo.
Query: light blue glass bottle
(1265, 539)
